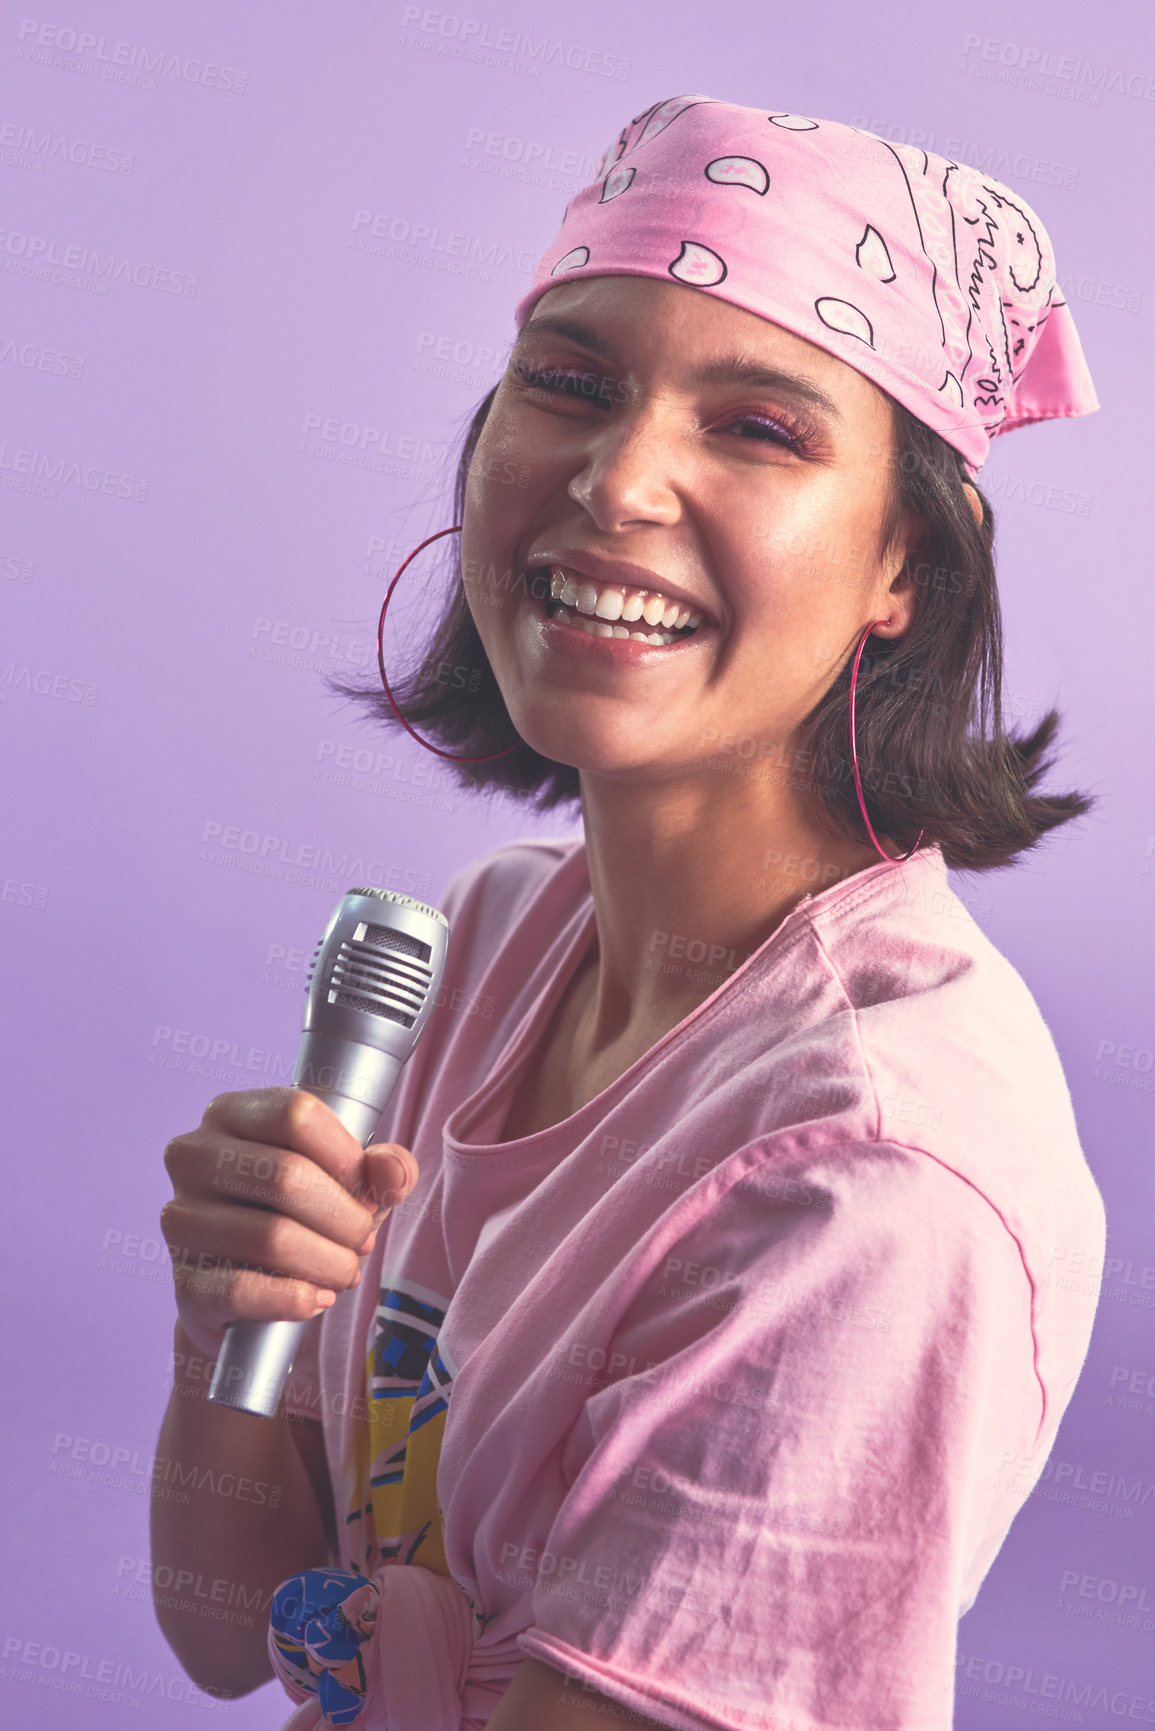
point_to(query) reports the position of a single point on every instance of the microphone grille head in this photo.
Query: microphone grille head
(371, 971)
(404, 901)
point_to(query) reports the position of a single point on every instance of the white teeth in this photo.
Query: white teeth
(611, 604)
(601, 628)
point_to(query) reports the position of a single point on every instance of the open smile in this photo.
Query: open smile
(613, 613)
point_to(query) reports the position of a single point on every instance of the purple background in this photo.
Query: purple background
(169, 609)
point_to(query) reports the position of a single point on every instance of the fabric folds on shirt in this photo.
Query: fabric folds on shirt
(745, 1368)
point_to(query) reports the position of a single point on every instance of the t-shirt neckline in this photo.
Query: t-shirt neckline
(489, 1103)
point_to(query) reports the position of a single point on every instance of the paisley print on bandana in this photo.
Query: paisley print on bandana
(934, 280)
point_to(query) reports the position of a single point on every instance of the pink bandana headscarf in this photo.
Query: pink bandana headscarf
(932, 279)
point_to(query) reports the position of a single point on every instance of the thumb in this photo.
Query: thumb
(388, 1174)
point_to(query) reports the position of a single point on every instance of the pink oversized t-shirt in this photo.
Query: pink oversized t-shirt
(721, 1394)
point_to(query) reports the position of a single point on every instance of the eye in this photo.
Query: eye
(564, 381)
(762, 430)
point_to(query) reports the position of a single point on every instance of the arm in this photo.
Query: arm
(258, 1509)
(270, 1181)
(542, 1699)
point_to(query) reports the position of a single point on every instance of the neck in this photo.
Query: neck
(687, 882)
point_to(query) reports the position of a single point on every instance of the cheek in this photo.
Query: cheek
(825, 547)
(481, 574)
(490, 575)
(502, 482)
(506, 439)
(491, 526)
(521, 452)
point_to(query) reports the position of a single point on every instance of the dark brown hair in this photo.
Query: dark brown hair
(933, 749)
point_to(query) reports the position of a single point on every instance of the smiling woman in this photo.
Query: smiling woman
(807, 495)
(714, 1346)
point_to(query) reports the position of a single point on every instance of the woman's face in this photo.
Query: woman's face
(649, 438)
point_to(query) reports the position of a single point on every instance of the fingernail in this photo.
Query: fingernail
(368, 1244)
(396, 1174)
(324, 1299)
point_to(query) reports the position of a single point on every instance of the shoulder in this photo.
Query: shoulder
(960, 1073)
(945, 1025)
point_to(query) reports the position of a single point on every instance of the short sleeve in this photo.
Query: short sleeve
(774, 1524)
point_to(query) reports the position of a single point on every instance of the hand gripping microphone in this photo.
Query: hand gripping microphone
(372, 986)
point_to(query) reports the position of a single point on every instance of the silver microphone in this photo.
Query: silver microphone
(372, 985)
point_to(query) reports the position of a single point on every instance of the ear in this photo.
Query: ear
(974, 502)
(899, 600)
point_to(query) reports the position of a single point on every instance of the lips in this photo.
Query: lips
(613, 573)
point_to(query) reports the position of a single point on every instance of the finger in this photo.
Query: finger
(254, 1174)
(203, 1232)
(218, 1295)
(290, 1118)
(390, 1173)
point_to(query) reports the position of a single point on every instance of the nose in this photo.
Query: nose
(628, 475)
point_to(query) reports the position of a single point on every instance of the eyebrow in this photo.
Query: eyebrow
(731, 370)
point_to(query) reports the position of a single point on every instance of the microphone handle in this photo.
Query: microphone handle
(256, 1357)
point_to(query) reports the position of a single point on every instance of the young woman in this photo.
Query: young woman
(713, 1347)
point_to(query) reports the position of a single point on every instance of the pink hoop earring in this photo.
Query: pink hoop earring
(455, 756)
(892, 859)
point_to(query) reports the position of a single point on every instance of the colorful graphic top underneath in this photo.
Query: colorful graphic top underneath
(394, 1515)
(320, 1620)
